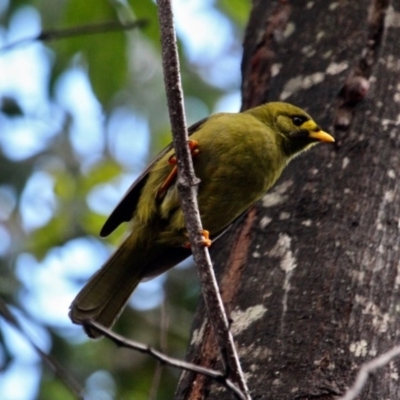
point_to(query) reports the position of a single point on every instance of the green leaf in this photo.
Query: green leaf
(104, 55)
(147, 9)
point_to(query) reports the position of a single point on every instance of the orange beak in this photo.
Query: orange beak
(322, 136)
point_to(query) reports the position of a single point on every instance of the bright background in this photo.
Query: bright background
(79, 119)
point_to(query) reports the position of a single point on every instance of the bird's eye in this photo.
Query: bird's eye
(299, 120)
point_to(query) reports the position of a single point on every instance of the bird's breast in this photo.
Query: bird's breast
(235, 169)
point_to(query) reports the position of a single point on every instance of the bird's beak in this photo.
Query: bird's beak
(321, 136)
(314, 132)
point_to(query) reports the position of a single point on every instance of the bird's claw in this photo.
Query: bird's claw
(194, 150)
(206, 241)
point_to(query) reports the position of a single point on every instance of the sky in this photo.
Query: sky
(23, 74)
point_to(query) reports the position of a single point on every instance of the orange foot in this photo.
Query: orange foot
(194, 150)
(206, 241)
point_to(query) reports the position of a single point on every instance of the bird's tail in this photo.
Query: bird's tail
(104, 297)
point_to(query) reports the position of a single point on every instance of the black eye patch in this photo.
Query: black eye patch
(299, 120)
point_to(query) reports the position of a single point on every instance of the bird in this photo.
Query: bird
(237, 157)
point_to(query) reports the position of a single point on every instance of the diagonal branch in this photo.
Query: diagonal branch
(187, 188)
(64, 375)
(367, 369)
(49, 35)
(164, 359)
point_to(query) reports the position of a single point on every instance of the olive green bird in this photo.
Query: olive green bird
(237, 157)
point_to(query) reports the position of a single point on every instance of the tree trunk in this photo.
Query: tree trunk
(310, 276)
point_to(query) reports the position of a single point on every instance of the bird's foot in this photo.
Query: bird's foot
(194, 150)
(206, 241)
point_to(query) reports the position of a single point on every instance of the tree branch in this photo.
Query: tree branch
(187, 187)
(64, 375)
(89, 29)
(164, 359)
(367, 369)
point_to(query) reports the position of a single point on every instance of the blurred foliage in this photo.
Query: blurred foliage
(104, 54)
(124, 71)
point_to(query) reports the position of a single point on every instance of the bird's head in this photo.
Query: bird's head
(296, 130)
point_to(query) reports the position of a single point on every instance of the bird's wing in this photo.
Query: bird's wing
(124, 210)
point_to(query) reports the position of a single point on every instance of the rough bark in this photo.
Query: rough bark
(311, 275)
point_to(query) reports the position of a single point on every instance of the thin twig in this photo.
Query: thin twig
(187, 187)
(64, 375)
(367, 369)
(90, 29)
(163, 358)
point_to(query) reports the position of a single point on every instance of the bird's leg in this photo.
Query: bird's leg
(194, 150)
(206, 241)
